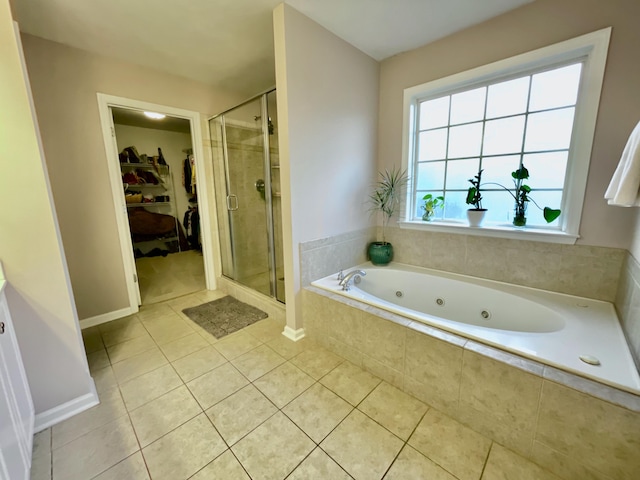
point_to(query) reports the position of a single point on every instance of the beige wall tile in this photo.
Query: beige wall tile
(437, 366)
(499, 400)
(562, 465)
(602, 436)
(388, 374)
(384, 341)
(352, 354)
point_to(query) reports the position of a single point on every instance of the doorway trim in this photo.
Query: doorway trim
(105, 102)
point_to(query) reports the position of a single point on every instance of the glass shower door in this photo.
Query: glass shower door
(246, 258)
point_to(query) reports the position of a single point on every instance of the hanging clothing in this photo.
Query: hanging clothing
(192, 163)
(186, 175)
(191, 225)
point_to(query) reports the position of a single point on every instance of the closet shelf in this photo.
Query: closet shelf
(143, 166)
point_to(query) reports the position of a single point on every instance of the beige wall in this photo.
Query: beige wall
(39, 294)
(536, 25)
(65, 82)
(327, 96)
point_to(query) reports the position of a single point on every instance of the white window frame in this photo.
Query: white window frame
(592, 49)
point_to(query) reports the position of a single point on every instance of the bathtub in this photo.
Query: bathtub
(574, 334)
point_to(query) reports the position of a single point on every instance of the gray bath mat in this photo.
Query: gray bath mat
(224, 316)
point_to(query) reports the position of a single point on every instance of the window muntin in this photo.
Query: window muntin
(496, 126)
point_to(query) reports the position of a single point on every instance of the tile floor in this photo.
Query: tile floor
(164, 278)
(177, 403)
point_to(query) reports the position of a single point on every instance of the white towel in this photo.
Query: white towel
(624, 188)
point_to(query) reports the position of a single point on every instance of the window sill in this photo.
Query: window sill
(533, 234)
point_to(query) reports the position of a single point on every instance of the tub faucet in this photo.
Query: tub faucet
(345, 283)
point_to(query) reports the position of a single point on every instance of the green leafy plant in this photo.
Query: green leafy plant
(386, 194)
(430, 204)
(522, 198)
(474, 196)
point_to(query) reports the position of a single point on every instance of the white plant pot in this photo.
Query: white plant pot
(476, 217)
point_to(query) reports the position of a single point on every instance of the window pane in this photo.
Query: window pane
(459, 172)
(544, 199)
(455, 207)
(430, 175)
(419, 202)
(465, 140)
(468, 106)
(546, 170)
(508, 98)
(434, 113)
(432, 145)
(498, 170)
(503, 136)
(556, 88)
(549, 130)
(500, 206)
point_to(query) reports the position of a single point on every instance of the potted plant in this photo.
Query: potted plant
(385, 198)
(476, 214)
(430, 205)
(522, 198)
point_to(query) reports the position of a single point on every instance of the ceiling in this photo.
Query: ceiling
(137, 118)
(229, 43)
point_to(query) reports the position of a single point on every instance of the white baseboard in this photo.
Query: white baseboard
(57, 414)
(292, 334)
(105, 317)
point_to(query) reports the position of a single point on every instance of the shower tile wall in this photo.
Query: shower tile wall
(628, 304)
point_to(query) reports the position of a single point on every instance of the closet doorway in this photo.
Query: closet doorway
(163, 233)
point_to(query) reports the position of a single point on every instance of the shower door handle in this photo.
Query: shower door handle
(232, 199)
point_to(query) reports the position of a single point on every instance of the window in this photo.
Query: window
(536, 110)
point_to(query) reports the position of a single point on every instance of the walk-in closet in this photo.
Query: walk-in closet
(160, 187)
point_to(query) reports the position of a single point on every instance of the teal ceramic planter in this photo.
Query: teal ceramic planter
(380, 253)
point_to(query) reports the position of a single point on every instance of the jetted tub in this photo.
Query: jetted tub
(575, 334)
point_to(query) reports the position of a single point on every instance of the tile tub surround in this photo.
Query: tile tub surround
(582, 270)
(319, 258)
(571, 426)
(628, 304)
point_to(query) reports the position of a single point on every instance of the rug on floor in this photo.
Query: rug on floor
(224, 316)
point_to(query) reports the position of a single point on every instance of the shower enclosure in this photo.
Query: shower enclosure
(247, 178)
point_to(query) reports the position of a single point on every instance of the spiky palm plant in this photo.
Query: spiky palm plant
(386, 194)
